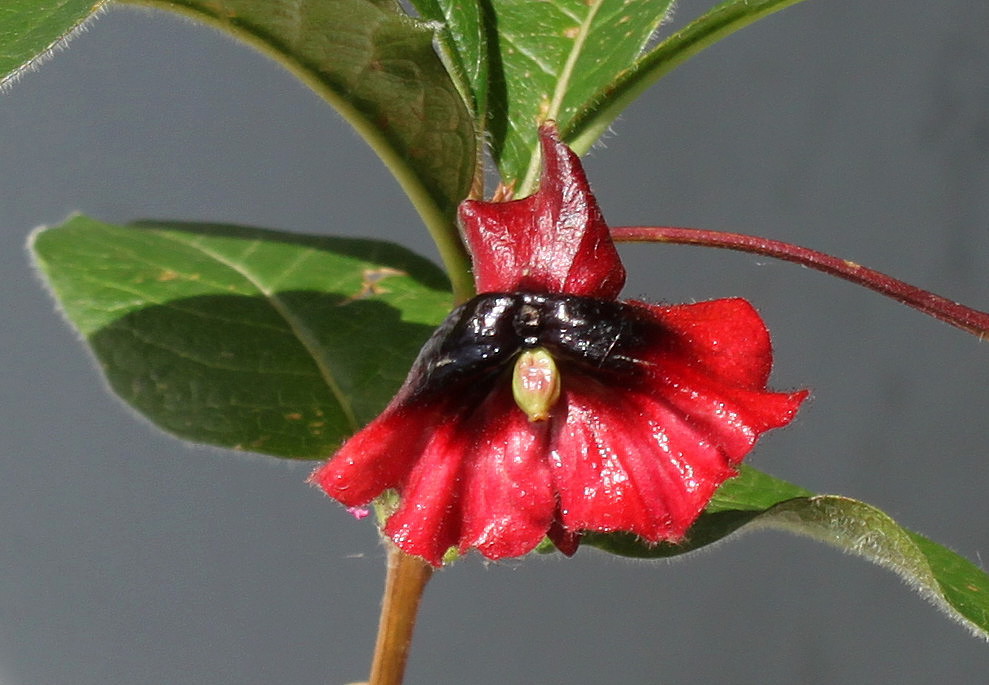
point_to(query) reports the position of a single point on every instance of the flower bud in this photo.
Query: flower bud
(536, 383)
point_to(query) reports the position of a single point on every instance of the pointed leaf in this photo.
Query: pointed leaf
(378, 68)
(257, 340)
(597, 113)
(550, 61)
(30, 30)
(756, 500)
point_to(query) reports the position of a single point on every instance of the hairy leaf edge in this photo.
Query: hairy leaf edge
(8, 80)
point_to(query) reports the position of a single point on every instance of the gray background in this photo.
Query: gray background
(859, 128)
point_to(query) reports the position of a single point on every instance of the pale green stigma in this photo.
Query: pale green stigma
(536, 383)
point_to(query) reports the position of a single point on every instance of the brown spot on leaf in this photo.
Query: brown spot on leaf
(371, 283)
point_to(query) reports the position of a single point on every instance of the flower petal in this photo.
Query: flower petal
(482, 481)
(554, 241)
(628, 462)
(647, 459)
(378, 457)
(427, 523)
(732, 418)
(711, 361)
(726, 338)
(508, 501)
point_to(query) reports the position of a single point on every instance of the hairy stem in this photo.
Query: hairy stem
(965, 318)
(404, 585)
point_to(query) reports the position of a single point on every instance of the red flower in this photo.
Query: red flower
(544, 406)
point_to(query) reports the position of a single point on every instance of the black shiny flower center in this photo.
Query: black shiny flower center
(483, 336)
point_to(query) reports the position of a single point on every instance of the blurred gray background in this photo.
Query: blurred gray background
(858, 128)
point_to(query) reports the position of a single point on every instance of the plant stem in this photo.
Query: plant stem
(404, 584)
(965, 318)
(434, 203)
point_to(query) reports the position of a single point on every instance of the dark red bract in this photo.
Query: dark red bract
(544, 406)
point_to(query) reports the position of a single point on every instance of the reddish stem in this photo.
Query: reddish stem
(965, 318)
(406, 580)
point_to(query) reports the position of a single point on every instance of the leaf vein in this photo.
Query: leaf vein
(302, 332)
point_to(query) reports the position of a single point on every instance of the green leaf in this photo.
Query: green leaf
(597, 114)
(756, 500)
(29, 30)
(549, 61)
(464, 46)
(378, 68)
(251, 339)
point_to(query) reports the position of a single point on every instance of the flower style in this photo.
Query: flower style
(545, 406)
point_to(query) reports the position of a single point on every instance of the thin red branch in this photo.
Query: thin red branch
(965, 318)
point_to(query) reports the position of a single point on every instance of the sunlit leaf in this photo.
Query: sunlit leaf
(550, 60)
(270, 342)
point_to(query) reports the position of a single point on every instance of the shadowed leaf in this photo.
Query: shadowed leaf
(269, 342)
(465, 47)
(756, 500)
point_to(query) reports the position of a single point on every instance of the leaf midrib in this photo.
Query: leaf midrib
(560, 91)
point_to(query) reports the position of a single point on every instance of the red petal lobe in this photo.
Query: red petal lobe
(378, 457)
(427, 522)
(508, 501)
(626, 461)
(727, 338)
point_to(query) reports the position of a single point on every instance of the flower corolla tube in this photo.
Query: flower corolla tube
(545, 406)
